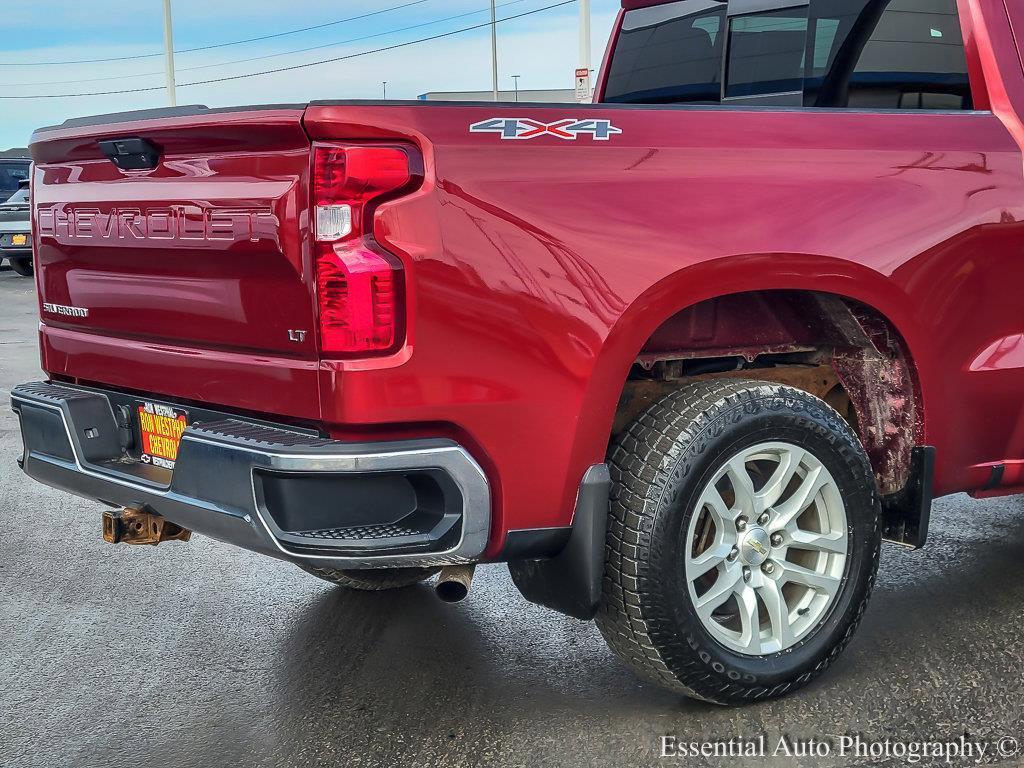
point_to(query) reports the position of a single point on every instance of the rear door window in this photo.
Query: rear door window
(888, 54)
(767, 53)
(669, 54)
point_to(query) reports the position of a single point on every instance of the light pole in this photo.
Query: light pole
(516, 78)
(494, 50)
(585, 34)
(169, 52)
(584, 50)
(385, 90)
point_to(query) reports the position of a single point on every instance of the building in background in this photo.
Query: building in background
(552, 96)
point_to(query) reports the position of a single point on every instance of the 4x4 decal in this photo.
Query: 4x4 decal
(568, 129)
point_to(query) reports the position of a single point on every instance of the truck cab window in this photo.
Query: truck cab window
(766, 53)
(887, 54)
(669, 54)
(857, 54)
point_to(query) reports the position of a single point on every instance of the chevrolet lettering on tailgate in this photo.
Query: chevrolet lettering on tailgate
(174, 222)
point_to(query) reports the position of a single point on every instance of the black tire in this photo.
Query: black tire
(658, 467)
(21, 264)
(373, 580)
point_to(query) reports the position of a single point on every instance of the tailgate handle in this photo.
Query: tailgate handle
(131, 154)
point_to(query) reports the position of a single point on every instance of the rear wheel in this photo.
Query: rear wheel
(22, 265)
(743, 541)
(373, 580)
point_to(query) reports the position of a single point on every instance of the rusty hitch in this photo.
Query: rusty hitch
(136, 526)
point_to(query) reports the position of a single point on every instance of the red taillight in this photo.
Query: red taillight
(358, 287)
(357, 293)
(358, 174)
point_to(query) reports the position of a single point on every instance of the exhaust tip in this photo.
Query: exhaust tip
(452, 591)
(453, 583)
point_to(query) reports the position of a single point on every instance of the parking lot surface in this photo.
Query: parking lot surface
(202, 655)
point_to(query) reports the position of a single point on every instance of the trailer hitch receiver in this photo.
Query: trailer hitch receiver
(137, 526)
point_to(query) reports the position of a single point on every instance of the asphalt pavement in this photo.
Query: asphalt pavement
(203, 655)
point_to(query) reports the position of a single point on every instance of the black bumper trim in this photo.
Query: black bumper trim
(213, 490)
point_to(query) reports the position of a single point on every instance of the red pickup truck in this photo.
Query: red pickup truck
(682, 358)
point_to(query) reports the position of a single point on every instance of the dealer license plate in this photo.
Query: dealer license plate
(161, 428)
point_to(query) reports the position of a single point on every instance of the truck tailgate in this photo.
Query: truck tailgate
(192, 278)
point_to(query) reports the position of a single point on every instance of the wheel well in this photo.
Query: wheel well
(835, 348)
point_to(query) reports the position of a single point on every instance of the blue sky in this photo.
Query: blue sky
(542, 48)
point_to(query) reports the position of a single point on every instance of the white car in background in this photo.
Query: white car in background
(15, 167)
(16, 231)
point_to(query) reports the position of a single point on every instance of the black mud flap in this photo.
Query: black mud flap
(906, 514)
(570, 582)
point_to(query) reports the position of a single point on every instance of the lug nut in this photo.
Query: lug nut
(741, 524)
(776, 539)
(746, 573)
(734, 554)
(763, 519)
(769, 567)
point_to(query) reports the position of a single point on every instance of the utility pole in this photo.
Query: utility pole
(516, 79)
(585, 34)
(385, 90)
(169, 49)
(494, 49)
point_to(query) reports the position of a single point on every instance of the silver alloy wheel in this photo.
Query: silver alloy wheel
(766, 549)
